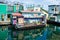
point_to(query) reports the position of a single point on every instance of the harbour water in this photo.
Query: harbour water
(50, 32)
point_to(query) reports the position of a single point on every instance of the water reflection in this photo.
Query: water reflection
(55, 32)
(3, 32)
(50, 32)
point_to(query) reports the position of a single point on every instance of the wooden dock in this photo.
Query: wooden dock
(4, 23)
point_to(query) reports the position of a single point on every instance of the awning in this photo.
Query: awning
(16, 14)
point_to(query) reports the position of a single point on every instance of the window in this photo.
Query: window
(10, 8)
(20, 20)
(52, 9)
(55, 9)
(8, 16)
(2, 16)
(36, 9)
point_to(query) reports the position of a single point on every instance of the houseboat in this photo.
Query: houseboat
(6, 11)
(54, 12)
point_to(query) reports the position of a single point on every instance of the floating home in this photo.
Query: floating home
(54, 12)
(34, 17)
(31, 17)
(7, 10)
(28, 18)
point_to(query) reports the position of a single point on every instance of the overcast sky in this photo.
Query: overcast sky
(44, 3)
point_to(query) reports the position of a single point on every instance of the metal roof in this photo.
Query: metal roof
(31, 11)
(53, 5)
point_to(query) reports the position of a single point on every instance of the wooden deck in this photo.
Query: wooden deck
(4, 23)
(29, 27)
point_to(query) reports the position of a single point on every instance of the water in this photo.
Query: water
(55, 32)
(50, 32)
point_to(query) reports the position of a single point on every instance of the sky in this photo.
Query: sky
(43, 3)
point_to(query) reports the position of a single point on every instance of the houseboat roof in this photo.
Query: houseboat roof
(16, 14)
(53, 5)
(31, 11)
